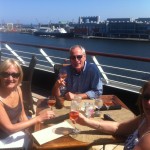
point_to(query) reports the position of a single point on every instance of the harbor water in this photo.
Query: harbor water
(133, 48)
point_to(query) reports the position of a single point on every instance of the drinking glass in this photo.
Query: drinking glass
(51, 101)
(77, 98)
(74, 113)
(98, 104)
(63, 75)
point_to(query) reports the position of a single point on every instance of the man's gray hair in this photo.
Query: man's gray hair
(82, 48)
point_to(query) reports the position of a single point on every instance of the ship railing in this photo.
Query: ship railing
(119, 71)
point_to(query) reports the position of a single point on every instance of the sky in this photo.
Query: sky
(45, 11)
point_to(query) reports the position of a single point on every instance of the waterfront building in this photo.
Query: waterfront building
(2, 28)
(113, 27)
(128, 28)
(143, 20)
(121, 29)
(90, 26)
(119, 20)
(90, 19)
(90, 29)
(10, 27)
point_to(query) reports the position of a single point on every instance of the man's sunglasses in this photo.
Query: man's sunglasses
(76, 57)
(6, 75)
(146, 97)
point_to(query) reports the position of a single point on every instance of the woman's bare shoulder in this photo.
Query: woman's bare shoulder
(19, 90)
(129, 126)
(144, 142)
(134, 121)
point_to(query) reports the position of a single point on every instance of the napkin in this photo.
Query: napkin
(53, 132)
(113, 107)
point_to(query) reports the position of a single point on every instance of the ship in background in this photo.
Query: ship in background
(53, 32)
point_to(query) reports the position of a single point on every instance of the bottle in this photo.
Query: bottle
(59, 102)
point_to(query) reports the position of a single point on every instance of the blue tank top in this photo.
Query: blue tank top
(133, 139)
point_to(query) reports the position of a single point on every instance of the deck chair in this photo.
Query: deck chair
(57, 67)
(26, 87)
(0, 56)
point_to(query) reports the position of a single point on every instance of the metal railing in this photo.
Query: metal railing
(118, 71)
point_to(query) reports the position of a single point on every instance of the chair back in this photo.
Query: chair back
(0, 56)
(57, 68)
(26, 87)
(28, 74)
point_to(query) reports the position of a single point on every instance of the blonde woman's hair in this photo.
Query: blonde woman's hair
(7, 63)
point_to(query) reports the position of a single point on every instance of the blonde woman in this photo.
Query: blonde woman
(13, 120)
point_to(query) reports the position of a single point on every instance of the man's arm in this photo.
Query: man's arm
(96, 83)
(96, 91)
(56, 90)
(70, 96)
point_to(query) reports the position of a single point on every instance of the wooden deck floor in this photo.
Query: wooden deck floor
(108, 147)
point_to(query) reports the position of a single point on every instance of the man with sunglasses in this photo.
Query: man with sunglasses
(83, 78)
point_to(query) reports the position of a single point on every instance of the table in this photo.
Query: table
(88, 136)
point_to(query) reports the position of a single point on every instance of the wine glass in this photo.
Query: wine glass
(98, 104)
(51, 101)
(63, 76)
(74, 113)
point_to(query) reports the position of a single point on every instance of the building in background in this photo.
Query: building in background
(92, 26)
(113, 27)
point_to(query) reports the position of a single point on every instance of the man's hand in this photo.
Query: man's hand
(69, 96)
(56, 89)
(60, 82)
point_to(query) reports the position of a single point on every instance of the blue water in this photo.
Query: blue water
(133, 48)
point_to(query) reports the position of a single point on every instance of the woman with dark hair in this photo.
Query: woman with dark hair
(13, 120)
(137, 130)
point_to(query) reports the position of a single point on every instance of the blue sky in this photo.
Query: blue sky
(44, 11)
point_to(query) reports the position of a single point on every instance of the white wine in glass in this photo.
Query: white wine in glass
(98, 105)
